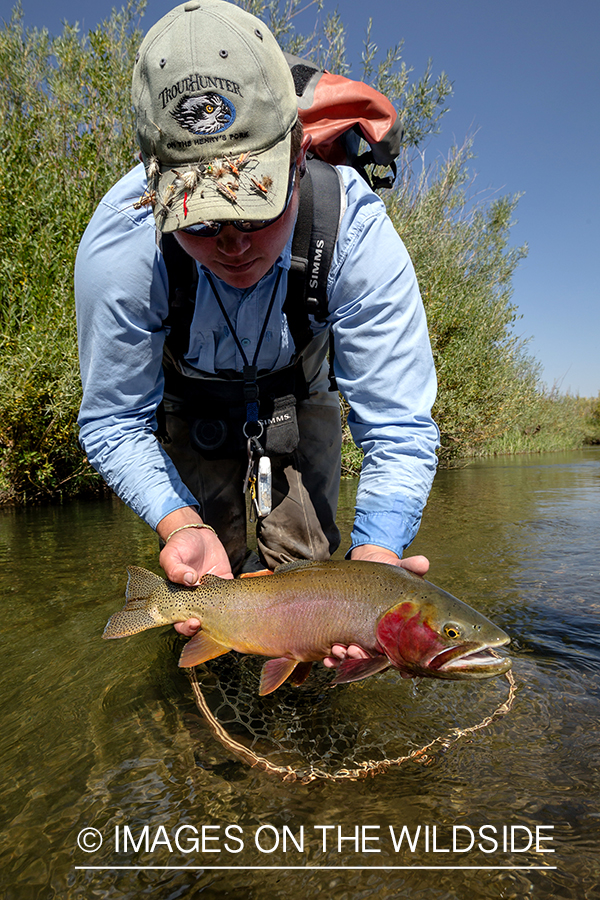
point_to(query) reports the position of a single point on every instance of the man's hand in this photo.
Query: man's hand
(190, 554)
(419, 565)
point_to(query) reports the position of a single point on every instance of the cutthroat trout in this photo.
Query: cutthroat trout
(297, 613)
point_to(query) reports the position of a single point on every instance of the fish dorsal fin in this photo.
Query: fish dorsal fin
(205, 581)
(295, 564)
(274, 673)
(141, 583)
(200, 649)
(357, 669)
(256, 574)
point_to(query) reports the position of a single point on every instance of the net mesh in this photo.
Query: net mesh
(350, 732)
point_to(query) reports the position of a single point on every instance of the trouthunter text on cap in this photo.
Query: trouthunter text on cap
(215, 105)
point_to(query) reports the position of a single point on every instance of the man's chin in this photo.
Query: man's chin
(242, 276)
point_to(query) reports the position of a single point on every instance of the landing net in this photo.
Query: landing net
(349, 732)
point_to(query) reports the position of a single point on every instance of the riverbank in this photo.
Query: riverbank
(553, 423)
(41, 461)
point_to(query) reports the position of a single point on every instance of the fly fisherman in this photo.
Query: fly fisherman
(224, 155)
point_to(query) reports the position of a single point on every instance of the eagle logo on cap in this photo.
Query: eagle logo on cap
(204, 114)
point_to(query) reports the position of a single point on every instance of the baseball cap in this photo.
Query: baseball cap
(215, 105)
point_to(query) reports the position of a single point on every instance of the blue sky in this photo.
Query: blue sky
(526, 83)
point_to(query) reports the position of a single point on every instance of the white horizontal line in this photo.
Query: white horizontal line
(302, 868)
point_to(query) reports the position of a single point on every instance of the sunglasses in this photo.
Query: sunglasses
(212, 229)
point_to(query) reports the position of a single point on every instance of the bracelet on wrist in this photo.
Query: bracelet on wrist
(190, 525)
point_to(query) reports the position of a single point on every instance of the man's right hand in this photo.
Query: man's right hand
(189, 554)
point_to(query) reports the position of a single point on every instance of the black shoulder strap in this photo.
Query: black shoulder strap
(183, 282)
(320, 212)
(317, 226)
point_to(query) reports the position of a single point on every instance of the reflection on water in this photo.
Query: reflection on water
(106, 735)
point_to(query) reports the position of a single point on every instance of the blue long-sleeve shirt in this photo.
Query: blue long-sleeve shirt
(383, 361)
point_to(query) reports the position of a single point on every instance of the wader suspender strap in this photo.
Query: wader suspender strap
(320, 212)
(183, 282)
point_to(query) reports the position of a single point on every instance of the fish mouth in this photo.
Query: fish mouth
(474, 662)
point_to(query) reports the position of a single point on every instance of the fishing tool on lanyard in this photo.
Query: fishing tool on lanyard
(258, 473)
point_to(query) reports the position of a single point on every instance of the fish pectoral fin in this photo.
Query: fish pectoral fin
(200, 649)
(274, 673)
(300, 673)
(357, 669)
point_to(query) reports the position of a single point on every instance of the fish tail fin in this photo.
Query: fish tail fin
(141, 584)
(139, 612)
(129, 621)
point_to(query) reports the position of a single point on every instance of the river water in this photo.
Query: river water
(107, 736)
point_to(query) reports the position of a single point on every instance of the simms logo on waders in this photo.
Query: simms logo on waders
(276, 420)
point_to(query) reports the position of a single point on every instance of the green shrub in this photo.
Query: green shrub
(464, 264)
(66, 133)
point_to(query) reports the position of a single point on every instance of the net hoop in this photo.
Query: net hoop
(367, 769)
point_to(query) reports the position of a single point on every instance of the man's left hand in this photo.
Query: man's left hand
(419, 565)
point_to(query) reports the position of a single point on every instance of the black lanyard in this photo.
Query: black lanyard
(249, 371)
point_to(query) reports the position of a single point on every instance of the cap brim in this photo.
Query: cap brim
(247, 187)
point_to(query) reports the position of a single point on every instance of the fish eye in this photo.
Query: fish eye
(452, 631)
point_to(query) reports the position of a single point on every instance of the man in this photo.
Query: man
(223, 159)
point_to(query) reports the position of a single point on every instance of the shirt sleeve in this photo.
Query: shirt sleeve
(121, 301)
(384, 368)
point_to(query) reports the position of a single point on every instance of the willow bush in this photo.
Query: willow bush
(464, 264)
(67, 135)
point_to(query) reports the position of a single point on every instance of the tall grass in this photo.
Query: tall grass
(554, 421)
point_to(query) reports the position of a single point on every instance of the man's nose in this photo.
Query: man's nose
(232, 242)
